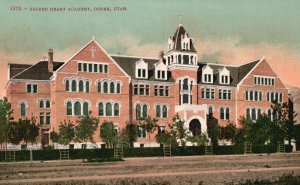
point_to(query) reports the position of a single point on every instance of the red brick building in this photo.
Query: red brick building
(123, 88)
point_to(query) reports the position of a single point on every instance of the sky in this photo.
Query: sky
(225, 31)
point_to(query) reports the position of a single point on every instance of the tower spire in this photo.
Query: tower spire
(180, 20)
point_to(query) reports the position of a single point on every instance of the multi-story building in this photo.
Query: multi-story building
(125, 88)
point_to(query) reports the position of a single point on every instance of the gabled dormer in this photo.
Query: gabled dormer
(141, 69)
(224, 76)
(207, 74)
(186, 42)
(160, 70)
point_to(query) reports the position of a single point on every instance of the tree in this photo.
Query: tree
(228, 132)
(178, 130)
(149, 124)
(131, 130)
(86, 128)
(66, 133)
(108, 133)
(200, 139)
(24, 130)
(5, 120)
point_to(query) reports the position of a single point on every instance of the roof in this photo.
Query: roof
(127, 63)
(15, 69)
(177, 39)
(38, 71)
(236, 73)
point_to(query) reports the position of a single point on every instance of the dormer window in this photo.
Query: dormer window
(141, 69)
(224, 76)
(207, 74)
(160, 70)
(185, 42)
(170, 43)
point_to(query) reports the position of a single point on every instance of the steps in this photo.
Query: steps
(280, 148)
(208, 149)
(10, 156)
(118, 152)
(64, 154)
(167, 150)
(247, 148)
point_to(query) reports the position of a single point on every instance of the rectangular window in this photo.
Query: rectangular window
(139, 73)
(209, 78)
(31, 88)
(41, 118)
(101, 68)
(142, 90)
(135, 89)
(85, 67)
(34, 88)
(225, 94)
(161, 130)
(96, 68)
(155, 90)
(147, 90)
(79, 67)
(48, 118)
(167, 91)
(163, 74)
(161, 90)
(28, 88)
(144, 73)
(158, 74)
(90, 68)
(105, 68)
(142, 132)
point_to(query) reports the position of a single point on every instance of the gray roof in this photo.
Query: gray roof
(15, 69)
(177, 40)
(236, 73)
(127, 63)
(38, 71)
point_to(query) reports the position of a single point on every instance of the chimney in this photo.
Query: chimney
(50, 60)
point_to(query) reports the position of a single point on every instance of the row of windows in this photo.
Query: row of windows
(161, 111)
(253, 95)
(207, 78)
(141, 73)
(264, 81)
(224, 113)
(253, 113)
(45, 118)
(161, 74)
(141, 111)
(92, 68)
(209, 93)
(109, 87)
(44, 104)
(77, 86)
(224, 79)
(142, 90)
(77, 108)
(161, 90)
(274, 96)
(108, 109)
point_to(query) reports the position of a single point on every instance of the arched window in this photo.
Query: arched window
(138, 111)
(258, 112)
(80, 86)
(253, 114)
(67, 85)
(77, 108)
(270, 114)
(118, 88)
(248, 113)
(41, 104)
(101, 109)
(105, 87)
(69, 108)
(74, 86)
(85, 108)
(221, 113)
(145, 111)
(210, 112)
(47, 104)
(99, 87)
(108, 109)
(256, 96)
(112, 87)
(116, 109)
(87, 86)
(165, 111)
(157, 111)
(227, 114)
(251, 95)
(23, 109)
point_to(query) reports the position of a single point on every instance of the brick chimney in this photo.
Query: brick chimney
(50, 60)
(161, 55)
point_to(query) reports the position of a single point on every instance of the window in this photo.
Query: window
(224, 113)
(101, 109)
(41, 104)
(77, 108)
(207, 78)
(118, 88)
(23, 109)
(274, 96)
(92, 68)
(145, 111)
(85, 108)
(161, 90)
(67, 85)
(105, 87)
(42, 118)
(99, 87)
(253, 95)
(161, 130)
(227, 114)
(105, 68)
(165, 111)
(142, 132)
(48, 115)
(95, 68)
(87, 86)
(74, 86)
(47, 104)
(161, 74)
(69, 108)
(208, 93)
(80, 86)
(221, 113)
(157, 111)
(259, 80)
(224, 79)
(79, 66)
(142, 90)
(138, 111)
(116, 109)
(31, 88)
(108, 109)
(112, 87)
(253, 113)
(85, 67)
(224, 94)
(141, 73)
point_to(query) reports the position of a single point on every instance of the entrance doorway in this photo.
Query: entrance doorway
(195, 127)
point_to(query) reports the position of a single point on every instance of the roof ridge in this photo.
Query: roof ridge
(139, 57)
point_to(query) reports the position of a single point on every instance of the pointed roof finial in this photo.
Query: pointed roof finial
(180, 20)
(93, 37)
